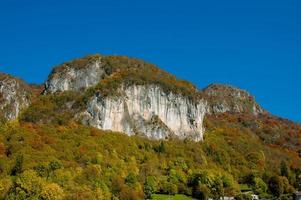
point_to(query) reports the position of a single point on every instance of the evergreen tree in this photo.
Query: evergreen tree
(284, 171)
(17, 169)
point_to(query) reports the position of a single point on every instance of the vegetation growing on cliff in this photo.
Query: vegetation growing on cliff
(238, 100)
(122, 70)
(57, 109)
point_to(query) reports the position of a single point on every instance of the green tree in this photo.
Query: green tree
(150, 186)
(131, 179)
(284, 171)
(217, 189)
(41, 170)
(169, 188)
(276, 186)
(17, 169)
(260, 186)
(54, 165)
(202, 192)
(161, 148)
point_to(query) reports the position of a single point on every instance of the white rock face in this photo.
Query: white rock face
(71, 79)
(13, 97)
(147, 110)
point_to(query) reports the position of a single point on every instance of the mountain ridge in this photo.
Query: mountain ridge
(109, 76)
(143, 92)
(71, 142)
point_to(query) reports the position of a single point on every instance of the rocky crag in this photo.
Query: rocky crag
(134, 97)
(15, 95)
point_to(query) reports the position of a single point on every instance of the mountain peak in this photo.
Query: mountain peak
(226, 98)
(81, 74)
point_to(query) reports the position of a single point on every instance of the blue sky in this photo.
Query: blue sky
(254, 45)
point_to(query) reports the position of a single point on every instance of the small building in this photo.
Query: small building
(297, 195)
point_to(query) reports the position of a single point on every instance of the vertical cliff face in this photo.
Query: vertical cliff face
(70, 78)
(14, 96)
(224, 98)
(147, 110)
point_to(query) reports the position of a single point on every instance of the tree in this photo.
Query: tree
(169, 188)
(161, 148)
(276, 186)
(202, 192)
(41, 170)
(28, 184)
(117, 185)
(54, 165)
(259, 186)
(52, 191)
(131, 179)
(5, 186)
(46, 171)
(287, 188)
(211, 179)
(128, 193)
(17, 169)
(150, 186)
(217, 189)
(284, 171)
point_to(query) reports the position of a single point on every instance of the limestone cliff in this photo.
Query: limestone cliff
(131, 96)
(74, 77)
(149, 111)
(14, 96)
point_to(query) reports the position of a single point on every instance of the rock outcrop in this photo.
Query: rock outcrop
(225, 98)
(83, 73)
(149, 111)
(75, 77)
(14, 96)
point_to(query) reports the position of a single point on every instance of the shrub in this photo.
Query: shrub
(276, 186)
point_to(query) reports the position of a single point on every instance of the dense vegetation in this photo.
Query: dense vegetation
(56, 109)
(71, 161)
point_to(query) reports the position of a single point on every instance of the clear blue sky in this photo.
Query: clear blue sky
(252, 44)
